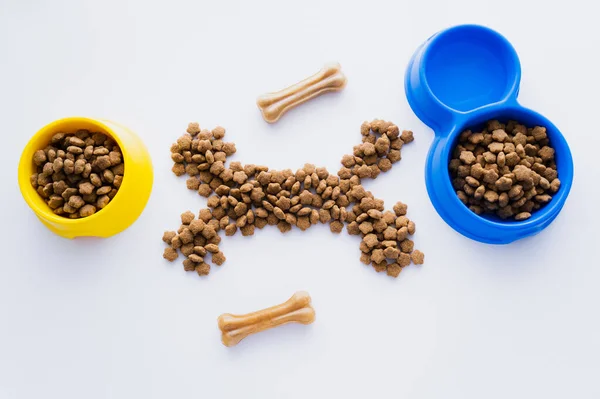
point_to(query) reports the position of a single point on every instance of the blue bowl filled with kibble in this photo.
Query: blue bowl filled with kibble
(496, 171)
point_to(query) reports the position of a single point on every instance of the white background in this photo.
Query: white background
(110, 319)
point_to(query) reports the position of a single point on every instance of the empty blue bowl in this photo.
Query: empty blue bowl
(458, 79)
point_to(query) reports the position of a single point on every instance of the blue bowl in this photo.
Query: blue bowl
(458, 79)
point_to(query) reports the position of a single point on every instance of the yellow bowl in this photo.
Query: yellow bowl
(122, 210)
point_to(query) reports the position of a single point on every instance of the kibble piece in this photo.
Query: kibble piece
(402, 221)
(377, 256)
(365, 258)
(467, 157)
(554, 186)
(102, 201)
(406, 136)
(393, 270)
(231, 229)
(417, 257)
(284, 226)
(336, 226)
(523, 216)
(402, 234)
(203, 269)
(170, 254)
(76, 201)
(353, 228)
(218, 258)
(403, 259)
(187, 249)
(176, 242)
(380, 267)
(187, 217)
(407, 246)
(196, 226)
(400, 209)
(370, 240)
(87, 210)
(390, 233)
(391, 253)
(211, 248)
(86, 188)
(186, 236)
(168, 236)
(55, 201)
(365, 227)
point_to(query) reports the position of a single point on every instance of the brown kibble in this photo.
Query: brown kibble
(86, 188)
(393, 270)
(394, 156)
(370, 240)
(187, 249)
(55, 201)
(390, 233)
(499, 135)
(407, 136)
(523, 216)
(546, 153)
(377, 256)
(403, 259)
(170, 254)
(178, 169)
(176, 242)
(353, 228)
(76, 201)
(391, 253)
(417, 257)
(555, 186)
(365, 258)
(365, 227)
(199, 250)
(186, 236)
(380, 267)
(218, 258)
(400, 209)
(336, 226)
(203, 269)
(407, 246)
(168, 236)
(39, 157)
(211, 248)
(284, 226)
(467, 157)
(102, 201)
(324, 215)
(247, 230)
(543, 199)
(187, 217)
(231, 229)
(87, 210)
(495, 147)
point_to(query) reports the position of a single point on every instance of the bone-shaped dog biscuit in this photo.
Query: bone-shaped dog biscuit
(273, 105)
(297, 309)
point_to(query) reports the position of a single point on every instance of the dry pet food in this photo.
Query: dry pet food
(297, 309)
(78, 174)
(274, 105)
(243, 198)
(507, 170)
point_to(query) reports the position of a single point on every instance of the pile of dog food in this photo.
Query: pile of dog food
(246, 197)
(506, 169)
(78, 174)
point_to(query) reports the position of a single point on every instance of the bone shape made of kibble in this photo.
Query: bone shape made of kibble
(274, 105)
(297, 309)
